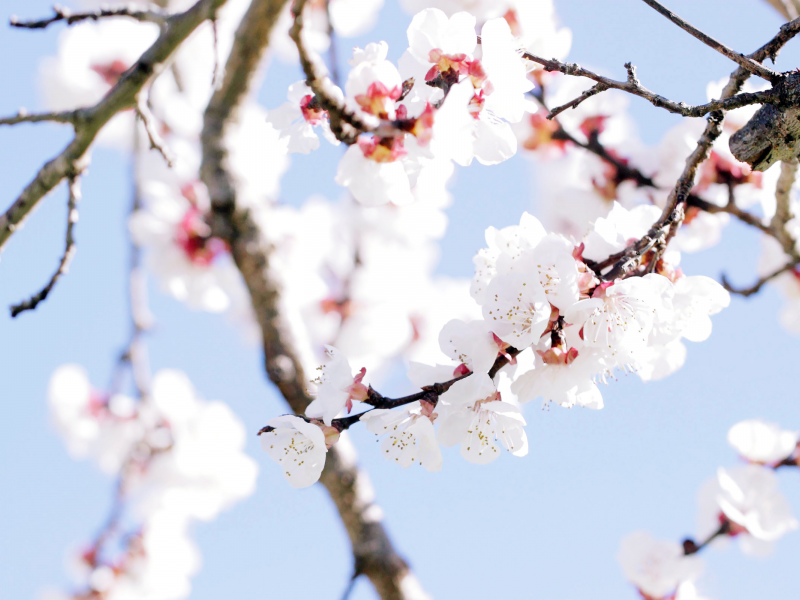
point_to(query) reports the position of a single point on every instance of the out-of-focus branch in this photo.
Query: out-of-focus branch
(64, 14)
(24, 117)
(731, 209)
(756, 287)
(74, 193)
(777, 229)
(156, 142)
(783, 208)
(348, 485)
(745, 62)
(790, 9)
(88, 121)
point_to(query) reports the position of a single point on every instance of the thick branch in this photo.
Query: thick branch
(88, 121)
(348, 486)
(745, 62)
(69, 251)
(63, 14)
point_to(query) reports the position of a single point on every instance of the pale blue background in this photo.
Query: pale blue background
(546, 526)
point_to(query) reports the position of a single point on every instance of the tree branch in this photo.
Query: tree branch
(24, 117)
(345, 125)
(347, 485)
(745, 62)
(88, 121)
(69, 251)
(756, 287)
(632, 86)
(64, 14)
(783, 209)
(672, 215)
(156, 143)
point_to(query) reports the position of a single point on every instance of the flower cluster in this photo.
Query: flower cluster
(448, 98)
(178, 459)
(555, 323)
(742, 502)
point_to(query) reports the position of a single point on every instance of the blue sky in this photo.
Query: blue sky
(546, 526)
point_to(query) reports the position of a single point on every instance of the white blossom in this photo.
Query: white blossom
(336, 387)
(656, 567)
(748, 498)
(762, 442)
(472, 414)
(298, 447)
(409, 435)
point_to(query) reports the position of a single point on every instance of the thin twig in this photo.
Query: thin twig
(756, 287)
(74, 196)
(141, 318)
(156, 142)
(64, 14)
(595, 89)
(215, 78)
(691, 547)
(332, 54)
(632, 86)
(732, 209)
(744, 61)
(69, 116)
(351, 585)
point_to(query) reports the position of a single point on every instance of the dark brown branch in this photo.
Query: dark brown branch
(756, 287)
(346, 483)
(745, 62)
(69, 251)
(691, 547)
(64, 14)
(595, 89)
(672, 215)
(632, 86)
(345, 124)
(429, 393)
(88, 121)
(732, 209)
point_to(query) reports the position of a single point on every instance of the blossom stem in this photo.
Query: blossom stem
(690, 547)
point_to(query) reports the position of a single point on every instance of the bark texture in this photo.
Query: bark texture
(348, 486)
(773, 133)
